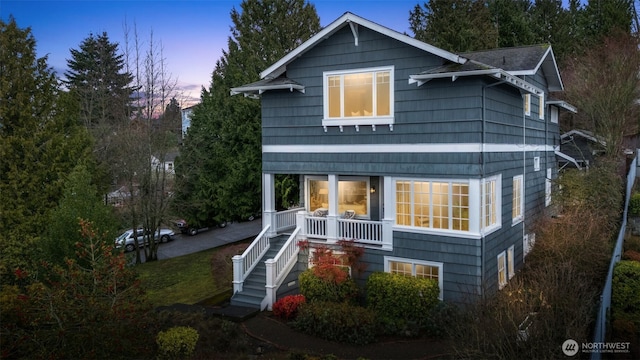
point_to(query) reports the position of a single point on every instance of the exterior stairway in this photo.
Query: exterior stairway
(253, 289)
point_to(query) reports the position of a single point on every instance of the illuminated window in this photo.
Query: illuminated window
(489, 202)
(415, 268)
(353, 195)
(502, 270)
(433, 204)
(359, 96)
(517, 207)
(547, 189)
(541, 107)
(527, 104)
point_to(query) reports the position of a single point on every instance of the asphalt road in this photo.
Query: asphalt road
(186, 244)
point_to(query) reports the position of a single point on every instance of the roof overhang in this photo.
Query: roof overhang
(583, 134)
(563, 104)
(550, 68)
(354, 22)
(568, 159)
(495, 73)
(253, 91)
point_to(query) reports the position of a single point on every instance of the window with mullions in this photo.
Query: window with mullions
(517, 206)
(433, 204)
(358, 94)
(415, 268)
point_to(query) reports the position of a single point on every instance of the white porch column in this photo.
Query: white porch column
(332, 217)
(301, 223)
(269, 203)
(389, 213)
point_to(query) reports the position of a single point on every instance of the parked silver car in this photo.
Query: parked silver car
(127, 240)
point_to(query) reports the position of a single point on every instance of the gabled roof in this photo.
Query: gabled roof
(260, 86)
(523, 61)
(354, 21)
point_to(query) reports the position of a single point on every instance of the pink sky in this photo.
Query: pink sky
(193, 32)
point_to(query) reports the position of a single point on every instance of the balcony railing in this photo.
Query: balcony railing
(333, 228)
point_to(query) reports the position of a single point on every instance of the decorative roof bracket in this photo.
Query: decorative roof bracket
(354, 30)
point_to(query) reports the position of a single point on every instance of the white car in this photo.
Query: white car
(128, 241)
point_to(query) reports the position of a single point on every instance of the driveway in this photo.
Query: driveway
(187, 244)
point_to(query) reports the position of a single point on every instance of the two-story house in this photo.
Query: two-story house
(437, 163)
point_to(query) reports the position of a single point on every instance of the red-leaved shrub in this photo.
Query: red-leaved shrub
(287, 307)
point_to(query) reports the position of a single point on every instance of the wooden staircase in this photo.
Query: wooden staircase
(253, 288)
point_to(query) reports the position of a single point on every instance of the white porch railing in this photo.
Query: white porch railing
(333, 228)
(286, 219)
(360, 230)
(243, 264)
(279, 267)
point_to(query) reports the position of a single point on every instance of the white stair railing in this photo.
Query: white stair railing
(279, 267)
(243, 264)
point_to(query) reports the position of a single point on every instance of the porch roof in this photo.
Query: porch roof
(256, 88)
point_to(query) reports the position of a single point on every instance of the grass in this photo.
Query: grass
(185, 279)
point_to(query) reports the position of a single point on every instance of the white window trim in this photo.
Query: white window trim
(518, 219)
(547, 188)
(498, 204)
(541, 107)
(554, 114)
(536, 163)
(527, 104)
(439, 265)
(510, 262)
(502, 260)
(474, 210)
(350, 121)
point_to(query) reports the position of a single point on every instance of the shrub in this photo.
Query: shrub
(634, 205)
(317, 288)
(625, 293)
(177, 342)
(340, 322)
(401, 300)
(287, 307)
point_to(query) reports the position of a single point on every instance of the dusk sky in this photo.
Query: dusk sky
(193, 32)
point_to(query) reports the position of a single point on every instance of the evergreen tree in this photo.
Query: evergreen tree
(99, 83)
(40, 142)
(512, 22)
(454, 25)
(219, 170)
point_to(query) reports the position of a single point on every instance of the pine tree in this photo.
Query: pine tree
(219, 171)
(40, 142)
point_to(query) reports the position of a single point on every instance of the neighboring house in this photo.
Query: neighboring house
(186, 119)
(168, 164)
(581, 148)
(437, 163)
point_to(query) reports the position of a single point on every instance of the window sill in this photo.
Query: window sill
(359, 121)
(517, 221)
(438, 232)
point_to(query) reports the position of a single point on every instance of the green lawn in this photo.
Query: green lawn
(185, 279)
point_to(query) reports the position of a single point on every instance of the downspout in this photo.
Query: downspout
(482, 174)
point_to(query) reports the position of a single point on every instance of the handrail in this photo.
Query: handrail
(243, 264)
(360, 230)
(286, 219)
(278, 267)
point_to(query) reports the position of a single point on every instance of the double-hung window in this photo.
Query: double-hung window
(415, 268)
(517, 208)
(502, 270)
(358, 97)
(541, 107)
(491, 208)
(527, 104)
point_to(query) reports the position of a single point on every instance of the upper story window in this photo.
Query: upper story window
(527, 104)
(490, 202)
(541, 106)
(553, 114)
(358, 97)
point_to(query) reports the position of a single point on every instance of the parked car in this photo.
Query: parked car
(127, 240)
(194, 229)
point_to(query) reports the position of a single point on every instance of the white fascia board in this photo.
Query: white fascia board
(563, 104)
(531, 72)
(261, 89)
(280, 66)
(406, 148)
(497, 73)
